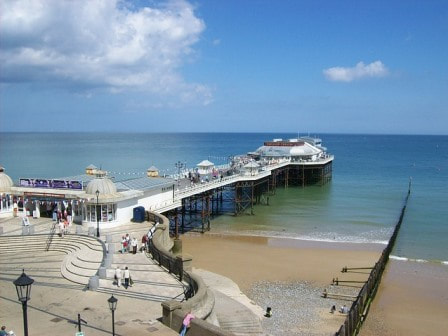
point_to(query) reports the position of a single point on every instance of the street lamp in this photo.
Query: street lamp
(23, 286)
(98, 213)
(179, 165)
(112, 306)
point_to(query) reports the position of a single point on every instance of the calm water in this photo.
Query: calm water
(361, 204)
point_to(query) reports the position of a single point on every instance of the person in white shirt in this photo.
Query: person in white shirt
(127, 276)
(61, 228)
(134, 244)
(118, 276)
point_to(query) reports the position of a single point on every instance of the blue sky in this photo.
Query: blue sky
(231, 66)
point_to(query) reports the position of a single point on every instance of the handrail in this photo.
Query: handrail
(50, 236)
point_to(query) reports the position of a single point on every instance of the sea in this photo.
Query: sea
(361, 204)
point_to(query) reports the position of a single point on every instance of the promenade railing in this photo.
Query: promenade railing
(173, 264)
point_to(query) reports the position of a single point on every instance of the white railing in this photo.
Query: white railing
(198, 188)
(259, 172)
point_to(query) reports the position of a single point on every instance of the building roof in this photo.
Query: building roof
(103, 184)
(301, 149)
(144, 183)
(5, 182)
(252, 164)
(205, 163)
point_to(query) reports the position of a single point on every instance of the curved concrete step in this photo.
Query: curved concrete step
(137, 295)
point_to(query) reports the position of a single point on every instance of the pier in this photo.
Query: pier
(195, 205)
(190, 198)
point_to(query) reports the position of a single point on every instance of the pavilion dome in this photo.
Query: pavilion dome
(5, 181)
(101, 183)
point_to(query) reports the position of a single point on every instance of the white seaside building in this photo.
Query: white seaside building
(294, 150)
(94, 194)
(205, 167)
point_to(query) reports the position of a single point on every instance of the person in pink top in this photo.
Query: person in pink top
(186, 323)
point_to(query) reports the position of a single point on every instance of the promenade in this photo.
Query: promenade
(56, 300)
(61, 275)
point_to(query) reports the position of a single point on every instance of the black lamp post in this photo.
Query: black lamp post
(179, 165)
(23, 286)
(112, 306)
(98, 213)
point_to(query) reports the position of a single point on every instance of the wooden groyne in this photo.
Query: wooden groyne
(360, 307)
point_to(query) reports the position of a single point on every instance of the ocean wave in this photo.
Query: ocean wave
(327, 237)
(418, 260)
(342, 239)
(398, 258)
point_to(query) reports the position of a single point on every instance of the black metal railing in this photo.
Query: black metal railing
(173, 264)
(50, 236)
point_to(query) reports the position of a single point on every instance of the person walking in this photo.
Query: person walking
(186, 323)
(128, 242)
(127, 276)
(3, 332)
(61, 228)
(134, 244)
(144, 242)
(123, 244)
(118, 276)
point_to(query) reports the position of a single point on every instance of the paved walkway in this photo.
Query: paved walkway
(55, 301)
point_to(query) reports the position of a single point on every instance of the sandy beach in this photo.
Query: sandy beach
(412, 300)
(287, 274)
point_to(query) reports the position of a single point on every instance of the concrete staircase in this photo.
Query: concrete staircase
(74, 257)
(151, 282)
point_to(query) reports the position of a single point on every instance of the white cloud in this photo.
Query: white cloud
(101, 44)
(360, 70)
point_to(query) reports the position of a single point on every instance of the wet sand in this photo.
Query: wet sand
(249, 259)
(412, 300)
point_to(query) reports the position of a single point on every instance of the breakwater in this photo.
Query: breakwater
(360, 307)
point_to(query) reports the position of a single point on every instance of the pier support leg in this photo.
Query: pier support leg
(252, 199)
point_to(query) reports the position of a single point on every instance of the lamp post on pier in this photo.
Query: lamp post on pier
(112, 306)
(23, 287)
(98, 213)
(179, 165)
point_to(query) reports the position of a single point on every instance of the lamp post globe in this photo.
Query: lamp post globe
(112, 306)
(98, 213)
(23, 287)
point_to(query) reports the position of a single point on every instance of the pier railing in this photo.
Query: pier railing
(241, 176)
(360, 307)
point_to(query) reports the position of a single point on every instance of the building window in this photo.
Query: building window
(5, 202)
(107, 212)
